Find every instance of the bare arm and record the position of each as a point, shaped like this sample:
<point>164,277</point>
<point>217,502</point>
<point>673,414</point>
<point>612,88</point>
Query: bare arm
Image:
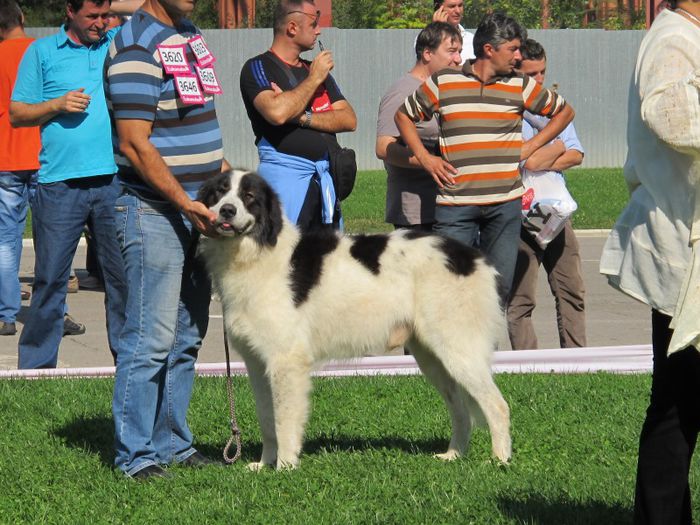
<point>27,115</point>
<point>340,118</point>
<point>387,148</point>
<point>440,170</point>
<point>145,158</point>
<point>571,158</point>
<point>543,158</point>
<point>280,107</point>
<point>125,7</point>
<point>553,128</point>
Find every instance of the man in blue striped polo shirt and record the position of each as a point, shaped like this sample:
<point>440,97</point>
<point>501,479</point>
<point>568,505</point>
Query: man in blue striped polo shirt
<point>59,87</point>
<point>160,81</point>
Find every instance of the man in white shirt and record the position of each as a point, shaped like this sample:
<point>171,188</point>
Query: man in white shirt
<point>560,258</point>
<point>451,11</point>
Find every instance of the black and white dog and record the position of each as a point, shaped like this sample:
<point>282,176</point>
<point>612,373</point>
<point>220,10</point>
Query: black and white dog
<point>292,300</point>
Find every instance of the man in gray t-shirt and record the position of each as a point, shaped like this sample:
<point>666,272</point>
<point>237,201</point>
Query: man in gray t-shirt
<point>410,195</point>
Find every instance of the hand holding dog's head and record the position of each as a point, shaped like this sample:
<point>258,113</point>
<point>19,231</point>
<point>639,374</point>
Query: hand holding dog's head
<point>245,205</point>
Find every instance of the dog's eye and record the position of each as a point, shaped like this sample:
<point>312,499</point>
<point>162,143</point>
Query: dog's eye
<point>248,197</point>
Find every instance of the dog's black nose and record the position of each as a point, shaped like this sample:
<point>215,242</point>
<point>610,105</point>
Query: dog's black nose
<point>227,211</point>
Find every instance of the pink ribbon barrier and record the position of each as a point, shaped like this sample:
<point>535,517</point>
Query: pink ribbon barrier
<point>617,359</point>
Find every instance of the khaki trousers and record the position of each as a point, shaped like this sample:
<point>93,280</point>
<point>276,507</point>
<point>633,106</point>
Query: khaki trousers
<point>562,263</point>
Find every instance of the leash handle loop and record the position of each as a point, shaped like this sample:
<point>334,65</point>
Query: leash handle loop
<point>235,431</point>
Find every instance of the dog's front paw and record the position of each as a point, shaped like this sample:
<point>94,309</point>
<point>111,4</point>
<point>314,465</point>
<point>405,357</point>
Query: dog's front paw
<point>256,466</point>
<point>502,460</point>
<point>503,453</point>
<point>287,465</point>
<point>450,455</point>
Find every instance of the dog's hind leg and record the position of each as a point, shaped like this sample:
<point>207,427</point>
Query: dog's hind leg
<point>290,380</point>
<point>265,411</point>
<point>452,393</point>
<point>474,375</point>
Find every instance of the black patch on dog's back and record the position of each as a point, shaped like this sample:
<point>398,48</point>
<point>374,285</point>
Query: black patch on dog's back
<point>367,249</point>
<point>307,262</point>
<point>461,259</point>
<point>418,234</point>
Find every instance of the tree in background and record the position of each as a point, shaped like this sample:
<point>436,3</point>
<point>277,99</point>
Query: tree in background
<point>397,14</point>
<point>43,13</point>
<point>52,13</point>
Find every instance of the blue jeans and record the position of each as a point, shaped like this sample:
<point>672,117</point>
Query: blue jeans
<point>16,191</point>
<point>166,319</point>
<point>59,212</point>
<point>493,228</point>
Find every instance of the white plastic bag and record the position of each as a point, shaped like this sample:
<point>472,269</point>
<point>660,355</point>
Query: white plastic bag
<point>547,205</point>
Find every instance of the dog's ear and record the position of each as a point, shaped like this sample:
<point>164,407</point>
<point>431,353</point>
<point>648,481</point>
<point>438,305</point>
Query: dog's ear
<point>213,189</point>
<point>273,223</point>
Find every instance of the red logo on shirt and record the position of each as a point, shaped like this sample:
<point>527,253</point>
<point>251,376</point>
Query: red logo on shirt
<point>321,101</point>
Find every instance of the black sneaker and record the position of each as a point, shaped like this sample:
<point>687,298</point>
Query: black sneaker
<point>7,328</point>
<point>151,471</point>
<point>199,460</point>
<point>92,283</point>
<point>71,326</point>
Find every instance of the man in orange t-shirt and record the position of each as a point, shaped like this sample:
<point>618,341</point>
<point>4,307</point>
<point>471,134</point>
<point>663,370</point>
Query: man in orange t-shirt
<point>19,162</point>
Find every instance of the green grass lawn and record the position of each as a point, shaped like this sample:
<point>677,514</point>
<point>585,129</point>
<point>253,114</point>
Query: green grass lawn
<point>601,194</point>
<point>367,457</point>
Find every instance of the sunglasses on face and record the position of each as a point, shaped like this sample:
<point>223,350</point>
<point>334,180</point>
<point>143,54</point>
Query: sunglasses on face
<point>316,17</point>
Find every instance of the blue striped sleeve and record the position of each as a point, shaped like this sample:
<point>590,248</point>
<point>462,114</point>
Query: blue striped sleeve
<point>134,83</point>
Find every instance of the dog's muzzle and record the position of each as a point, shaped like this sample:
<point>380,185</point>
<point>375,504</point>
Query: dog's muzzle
<point>225,222</point>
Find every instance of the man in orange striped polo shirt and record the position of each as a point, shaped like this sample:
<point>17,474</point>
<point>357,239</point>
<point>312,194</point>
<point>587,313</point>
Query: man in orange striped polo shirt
<point>480,110</point>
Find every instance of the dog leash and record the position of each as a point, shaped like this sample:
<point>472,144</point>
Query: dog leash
<point>235,431</point>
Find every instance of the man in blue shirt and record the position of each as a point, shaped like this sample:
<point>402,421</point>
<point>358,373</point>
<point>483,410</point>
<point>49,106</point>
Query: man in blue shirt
<point>59,87</point>
<point>561,257</point>
<point>168,143</point>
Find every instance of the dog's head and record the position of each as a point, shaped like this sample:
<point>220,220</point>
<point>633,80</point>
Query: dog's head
<point>245,205</point>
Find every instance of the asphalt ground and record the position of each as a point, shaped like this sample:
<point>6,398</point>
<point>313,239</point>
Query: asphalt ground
<point>612,318</point>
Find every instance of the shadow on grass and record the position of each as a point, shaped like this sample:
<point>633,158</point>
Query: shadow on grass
<point>335,443</point>
<point>534,508</point>
<point>95,435</point>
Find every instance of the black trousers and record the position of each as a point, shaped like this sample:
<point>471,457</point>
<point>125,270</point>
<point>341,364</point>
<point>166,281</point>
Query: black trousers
<point>669,433</point>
